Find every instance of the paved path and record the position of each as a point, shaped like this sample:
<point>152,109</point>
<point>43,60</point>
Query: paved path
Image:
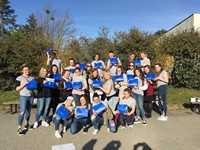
<point>180,132</point>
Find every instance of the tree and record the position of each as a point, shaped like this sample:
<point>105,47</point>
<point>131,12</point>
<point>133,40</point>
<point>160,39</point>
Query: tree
<point>7,17</point>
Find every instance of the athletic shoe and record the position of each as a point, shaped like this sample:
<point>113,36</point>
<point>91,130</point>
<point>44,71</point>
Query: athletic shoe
<point>64,129</point>
<point>144,122</point>
<point>45,124</point>
<point>85,130</point>
<point>57,134</point>
<point>162,118</point>
<point>123,127</point>
<point>111,123</point>
<point>20,132</point>
<point>130,126</point>
<point>137,120</point>
<point>26,127</point>
<point>35,125</point>
<point>95,131</point>
<point>108,129</point>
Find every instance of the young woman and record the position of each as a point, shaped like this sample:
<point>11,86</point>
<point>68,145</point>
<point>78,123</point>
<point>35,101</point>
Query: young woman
<point>93,76</point>
<point>68,104</point>
<point>138,94</point>
<point>78,91</point>
<point>77,121</point>
<point>110,94</point>
<point>131,68</point>
<point>65,91</point>
<point>127,118</point>
<point>103,117</point>
<point>26,98</point>
<point>43,99</point>
<point>162,83</point>
<point>149,93</point>
<point>98,64</point>
<point>131,58</point>
<point>145,61</point>
<point>71,66</point>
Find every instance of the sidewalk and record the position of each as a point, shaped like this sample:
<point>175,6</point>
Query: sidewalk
<point>180,132</point>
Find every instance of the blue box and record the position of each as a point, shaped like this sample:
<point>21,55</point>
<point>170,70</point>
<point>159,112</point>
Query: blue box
<point>119,78</point>
<point>133,82</point>
<point>137,62</point>
<point>150,76</point>
<point>32,85</point>
<point>71,70</point>
<point>62,112</point>
<point>122,108</point>
<point>57,77</point>
<point>99,108</point>
<point>68,85</point>
<point>49,51</point>
<point>97,65</point>
<point>77,85</point>
<point>81,112</point>
<point>130,76</point>
<point>97,83</point>
<point>82,66</point>
<point>114,60</point>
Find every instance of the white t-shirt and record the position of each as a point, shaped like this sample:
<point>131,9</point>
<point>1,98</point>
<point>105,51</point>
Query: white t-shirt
<point>78,79</point>
<point>113,68</point>
<point>105,85</point>
<point>161,75</point>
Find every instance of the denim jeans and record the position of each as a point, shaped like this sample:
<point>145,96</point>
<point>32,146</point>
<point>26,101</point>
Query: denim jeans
<point>57,120</point>
<point>162,94</point>
<point>42,104</point>
<point>25,108</point>
<point>76,98</point>
<point>112,103</point>
<point>74,128</point>
<point>139,105</point>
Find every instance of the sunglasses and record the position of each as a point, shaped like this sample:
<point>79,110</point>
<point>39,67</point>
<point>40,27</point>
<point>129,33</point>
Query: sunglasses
<point>89,66</point>
<point>131,65</point>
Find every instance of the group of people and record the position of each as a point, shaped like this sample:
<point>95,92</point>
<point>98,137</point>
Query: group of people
<point>92,93</point>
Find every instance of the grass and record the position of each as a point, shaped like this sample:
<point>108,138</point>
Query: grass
<point>177,98</point>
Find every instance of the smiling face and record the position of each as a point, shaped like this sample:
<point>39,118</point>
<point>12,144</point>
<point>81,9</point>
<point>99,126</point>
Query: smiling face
<point>119,71</point>
<point>71,63</point>
<point>95,73</point>
<point>137,73</point>
<point>77,72</point>
<point>25,71</point>
<point>67,74</point>
<point>146,70</point>
<point>106,76</point>
<point>68,102</point>
<point>96,99</point>
<point>96,57</point>
<point>111,55</point>
<point>131,66</point>
<point>126,94</point>
<point>55,69</point>
<point>83,101</point>
<point>157,68</point>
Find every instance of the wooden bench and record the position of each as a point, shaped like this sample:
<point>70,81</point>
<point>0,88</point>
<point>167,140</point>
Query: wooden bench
<point>12,103</point>
<point>195,105</point>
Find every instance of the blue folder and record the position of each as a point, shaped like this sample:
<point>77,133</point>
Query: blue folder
<point>81,112</point>
<point>71,70</point>
<point>97,83</point>
<point>97,65</point>
<point>50,84</point>
<point>57,77</point>
<point>68,85</point>
<point>137,62</point>
<point>119,78</point>
<point>82,66</point>
<point>150,76</point>
<point>49,51</point>
<point>130,76</point>
<point>77,85</point>
<point>122,108</point>
<point>99,108</point>
<point>32,85</point>
<point>133,82</point>
<point>114,60</point>
<point>62,112</point>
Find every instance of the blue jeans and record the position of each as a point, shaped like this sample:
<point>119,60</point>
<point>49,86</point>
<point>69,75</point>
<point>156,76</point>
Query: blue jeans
<point>139,105</point>
<point>25,108</point>
<point>57,120</point>
<point>74,128</point>
<point>100,120</point>
<point>42,103</point>
<point>76,98</point>
<point>162,94</point>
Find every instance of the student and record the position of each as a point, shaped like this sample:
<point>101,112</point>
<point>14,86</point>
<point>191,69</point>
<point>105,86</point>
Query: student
<point>104,117</point>
<point>149,93</point>
<point>76,92</point>
<point>145,61</point>
<point>71,66</point>
<point>110,66</point>
<point>131,58</point>
<point>55,60</point>
<point>43,99</point>
<point>98,64</point>
<point>77,121</point>
<point>110,95</point>
<point>26,98</point>
<point>162,83</point>
<point>68,104</point>
<point>65,91</point>
<point>127,118</point>
<point>138,94</point>
<point>131,68</point>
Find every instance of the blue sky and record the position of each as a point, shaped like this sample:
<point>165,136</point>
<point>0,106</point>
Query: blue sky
<point>117,15</point>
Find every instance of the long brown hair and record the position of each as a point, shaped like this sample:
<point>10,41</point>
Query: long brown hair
<point>79,103</point>
<point>142,77</point>
<point>105,80</point>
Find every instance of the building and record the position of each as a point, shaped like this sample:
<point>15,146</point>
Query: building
<point>191,22</point>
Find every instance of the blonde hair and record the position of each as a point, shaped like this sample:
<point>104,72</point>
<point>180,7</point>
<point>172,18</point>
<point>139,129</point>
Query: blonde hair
<point>41,73</point>
<point>105,80</point>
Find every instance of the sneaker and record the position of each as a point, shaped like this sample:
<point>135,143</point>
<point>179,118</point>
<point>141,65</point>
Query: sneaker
<point>137,120</point>
<point>26,127</point>
<point>20,132</point>
<point>35,125</point>
<point>111,123</point>
<point>64,129</point>
<point>130,126</point>
<point>144,123</point>
<point>95,131</point>
<point>57,134</point>
<point>108,129</point>
<point>45,124</point>
<point>85,130</point>
<point>162,118</point>
<point>123,127</point>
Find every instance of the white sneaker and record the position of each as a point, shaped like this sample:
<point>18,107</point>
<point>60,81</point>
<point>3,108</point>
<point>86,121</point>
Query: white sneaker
<point>45,124</point>
<point>123,127</point>
<point>57,134</point>
<point>64,129</point>
<point>108,129</point>
<point>162,118</point>
<point>130,126</point>
<point>35,125</point>
<point>95,131</point>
